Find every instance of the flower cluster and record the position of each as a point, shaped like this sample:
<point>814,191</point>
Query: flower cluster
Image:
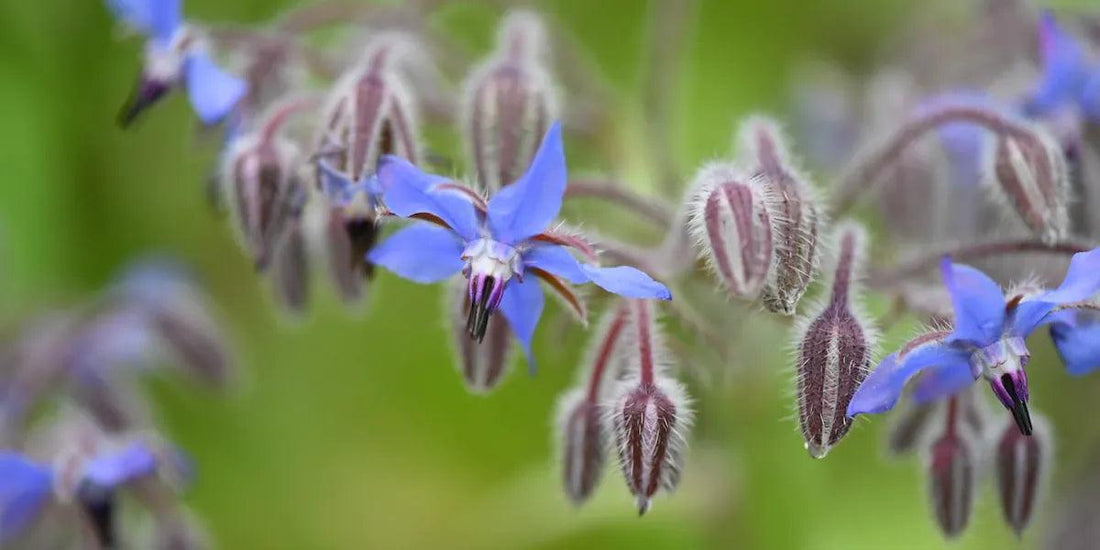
<point>336,167</point>
<point>77,432</point>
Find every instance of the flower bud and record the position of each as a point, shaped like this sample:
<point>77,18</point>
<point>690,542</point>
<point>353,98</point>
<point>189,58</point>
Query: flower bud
<point>1021,464</point>
<point>509,102</point>
<point>732,228</point>
<point>484,364</point>
<point>580,414</point>
<point>1031,174</point>
<point>290,273</point>
<point>649,415</point>
<point>952,483</point>
<point>909,428</point>
<point>258,175</point>
<point>794,209</point>
<point>834,349</point>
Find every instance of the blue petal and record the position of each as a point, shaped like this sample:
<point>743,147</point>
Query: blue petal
<point>1081,283</point>
<point>421,252</point>
<point>627,282</point>
<point>112,470</point>
<point>963,141</point>
<point>1063,67</point>
<point>157,18</point>
<point>212,91</point>
<point>526,207</point>
<point>942,380</point>
<point>24,489</point>
<point>556,260</point>
<point>880,391</point>
<point>522,306</point>
<point>978,303</point>
<point>1076,335</point>
<point>408,191</point>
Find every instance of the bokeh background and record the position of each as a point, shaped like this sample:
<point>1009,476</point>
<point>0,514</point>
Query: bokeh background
<point>355,431</point>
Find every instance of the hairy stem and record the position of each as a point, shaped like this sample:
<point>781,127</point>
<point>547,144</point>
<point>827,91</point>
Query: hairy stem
<point>617,194</point>
<point>603,355</point>
<point>971,251</point>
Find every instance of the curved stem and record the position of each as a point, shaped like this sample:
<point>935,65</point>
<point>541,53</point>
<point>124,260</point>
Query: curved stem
<point>970,252</point>
<point>650,209</point>
<point>868,167</point>
<point>603,356</point>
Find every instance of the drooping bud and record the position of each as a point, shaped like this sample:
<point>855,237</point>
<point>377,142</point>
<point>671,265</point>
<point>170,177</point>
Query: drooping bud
<point>370,113</point>
<point>259,175</point>
<point>909,427</point>
<point>582,435</point>
<point>1021,465</point>
<point>794,209</point>
<point>732,228</point>
<point>649,415</point>
<point>195,339</point>
<point>952,465</point>
<point>509,102</point>
<point>482,365</point>
<point>1030,173</point>
<point>290,273</point>
<point>834,349</point>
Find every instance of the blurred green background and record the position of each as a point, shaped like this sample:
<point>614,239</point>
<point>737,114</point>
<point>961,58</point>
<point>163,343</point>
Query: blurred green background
<point>355,431</point>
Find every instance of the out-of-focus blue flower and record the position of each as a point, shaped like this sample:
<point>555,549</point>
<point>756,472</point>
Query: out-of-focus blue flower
<point>175,55</point>
<point>1076,335</point>
<point>26,486</point>
<point>987,340</point>
<point>496,244</point>
<point>1067,79</point>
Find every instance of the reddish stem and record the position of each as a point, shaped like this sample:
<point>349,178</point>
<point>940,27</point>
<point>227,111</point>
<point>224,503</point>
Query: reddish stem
<point>645,341</point>
<point>952,415</point>
<point>282,113</point>
<point>603,356</point>
<point>618,194</point>
<point>970,252</point>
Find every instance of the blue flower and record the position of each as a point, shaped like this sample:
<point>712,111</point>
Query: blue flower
<point>495,244</point>
<point>174,55</point>
<point>26,486</point>
<point>988,340</point>
<point>1068,79</point>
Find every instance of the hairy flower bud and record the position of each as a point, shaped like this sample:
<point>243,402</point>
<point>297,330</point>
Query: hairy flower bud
<point>290,272</point>
<point>793,208</point>
<point>952,463</point>
<point>1021,463</point>
<point>732,228</point>
<point>834,349</point>
<point>370,113</point>
<point>483,364</point>
<point>508,102</point>
<point>1030,173</point>
<point>649,415</point>
<point>582,435</point>
<point>909,427</point>
<point>259,174</point>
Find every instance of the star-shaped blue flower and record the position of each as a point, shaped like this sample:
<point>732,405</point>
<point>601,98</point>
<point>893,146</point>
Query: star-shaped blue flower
<point>1068,79</point>
<point>498,245</point>
<point>175,55</point>
<point>26,486</point>
<point>988,340</point>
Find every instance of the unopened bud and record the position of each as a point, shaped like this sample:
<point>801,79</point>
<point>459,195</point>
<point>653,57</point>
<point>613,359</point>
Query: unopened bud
<point>952,463</point>
<point>732,228</point>
<point>834,349</point>
<point>909,428</point>
<point>649,416</point>
<point>258,174</point>
<point>794,209</point>
<point>1021,464</point>
<point>509,102</point>
<point>484,364</point>
<point>347,242</point>
<point>195,339</point>
<point>290,273</point>
<point>1030,172</point>
<point>582,434</point>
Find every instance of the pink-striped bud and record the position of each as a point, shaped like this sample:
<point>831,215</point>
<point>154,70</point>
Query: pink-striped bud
<point>290,262</point>
<point>258,175</point>
<point>582,435</point>
<point>1030,171</point>
<point>909,428</point>
<point>794,209</point>
<point>484,364</point>
<point>1021,465</point>
<point>732,228</point>
<point>834,348</point>
<point>649,416</point>
<point>509,102</point>
<point>952,463</point>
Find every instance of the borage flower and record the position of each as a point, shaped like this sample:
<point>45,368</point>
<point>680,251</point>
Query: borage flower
<point>497,243</point>
<point>175,55</point>
<point>987,340</point>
